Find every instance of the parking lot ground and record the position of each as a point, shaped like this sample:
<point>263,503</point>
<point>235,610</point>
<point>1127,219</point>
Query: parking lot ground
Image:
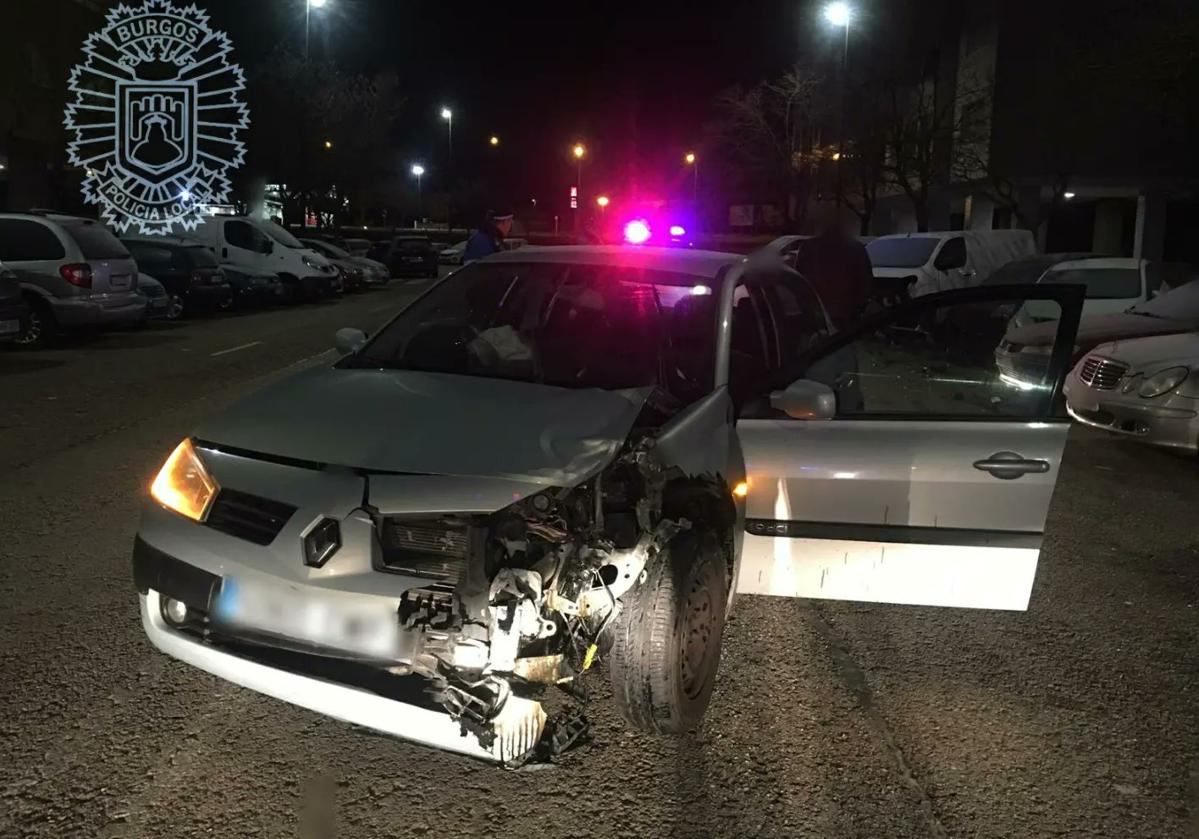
<point>1077,718</point>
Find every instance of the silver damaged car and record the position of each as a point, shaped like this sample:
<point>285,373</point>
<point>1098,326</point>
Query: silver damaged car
<point>561,463</point>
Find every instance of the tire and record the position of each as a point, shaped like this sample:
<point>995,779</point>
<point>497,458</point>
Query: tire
<point>667,636</point>
<point>176,307</point>
<point>39,327</point>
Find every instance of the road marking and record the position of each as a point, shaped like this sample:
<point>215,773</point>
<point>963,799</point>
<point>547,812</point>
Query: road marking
<point>234,349</point>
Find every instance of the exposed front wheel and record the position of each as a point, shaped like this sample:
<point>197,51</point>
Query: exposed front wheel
<point>666,647</point>
<point>175,307</point>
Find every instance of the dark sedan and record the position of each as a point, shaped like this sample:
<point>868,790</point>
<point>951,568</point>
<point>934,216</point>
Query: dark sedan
<point>187,270</point>
<point>412,256</point>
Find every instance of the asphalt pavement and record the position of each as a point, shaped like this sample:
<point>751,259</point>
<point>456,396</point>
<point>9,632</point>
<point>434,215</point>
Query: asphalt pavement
<point>1077,718</point>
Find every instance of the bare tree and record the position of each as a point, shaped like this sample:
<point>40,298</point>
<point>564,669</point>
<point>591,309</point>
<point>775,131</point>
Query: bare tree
<point>768,131</point>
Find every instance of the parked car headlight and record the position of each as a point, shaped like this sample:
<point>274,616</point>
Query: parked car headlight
<point>1163,382</point>
<point>317,266</point>
<point>183,483</point>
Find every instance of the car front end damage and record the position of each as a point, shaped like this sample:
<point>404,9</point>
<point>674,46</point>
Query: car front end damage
<point>450,611</point>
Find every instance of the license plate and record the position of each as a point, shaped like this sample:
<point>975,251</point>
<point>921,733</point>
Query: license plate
<point>10,327</point>
<point>321,618</point>
<point>120,281</point>
<point>413,259</point>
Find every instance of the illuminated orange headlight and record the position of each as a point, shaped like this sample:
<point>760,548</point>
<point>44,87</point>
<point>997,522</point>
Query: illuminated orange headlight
<point>183,484</point>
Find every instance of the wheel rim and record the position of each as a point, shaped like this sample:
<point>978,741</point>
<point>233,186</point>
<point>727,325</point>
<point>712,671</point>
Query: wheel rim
<point>699,628</point>
<point>175,307</point>
<point>33,330</point>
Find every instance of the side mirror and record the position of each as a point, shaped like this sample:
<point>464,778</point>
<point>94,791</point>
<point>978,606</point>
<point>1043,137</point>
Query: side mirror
<point>805,399</point>
<point>349,340</point>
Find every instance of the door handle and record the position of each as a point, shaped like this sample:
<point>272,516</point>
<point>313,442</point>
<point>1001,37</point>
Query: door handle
<point>1008,466</point>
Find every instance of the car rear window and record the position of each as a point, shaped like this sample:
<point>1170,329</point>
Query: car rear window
<point>413,244</point>
<point>96,242</point>
<point>1101,283</point>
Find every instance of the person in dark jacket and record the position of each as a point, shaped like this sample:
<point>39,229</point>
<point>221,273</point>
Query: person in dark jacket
<point>489,238</point>
<point>838,267</point>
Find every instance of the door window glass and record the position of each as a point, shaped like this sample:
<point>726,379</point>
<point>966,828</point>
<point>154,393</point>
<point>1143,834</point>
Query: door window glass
<point>952,255</point>
<point>240,234</point>
<point>28,241</point>
<point>949,361</point>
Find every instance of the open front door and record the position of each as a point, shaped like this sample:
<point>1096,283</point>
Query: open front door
<point>920,473</point>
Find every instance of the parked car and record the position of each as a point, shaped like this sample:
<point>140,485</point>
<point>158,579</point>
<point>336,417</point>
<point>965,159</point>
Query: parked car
<point>187,270</point>
<point>1029,269</point>
<point>267,247</point>
<point>580,488</point>
<point>1143,388</point>
<point>361,271</point>
<point>409,256</point>
<point>453,254</point>
<point>13,310</point>
<point>357,247</point>
<point>73,274</point>
<point>914,264</point>
<point>1114,284</point>
<point>1023,354</point>
<point>158,299</point>
<point>253,286</point>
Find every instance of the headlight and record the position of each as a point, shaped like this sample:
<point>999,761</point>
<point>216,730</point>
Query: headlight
<point>183,484</point>
<point>317,266</point>
<point>1163,382</point>
<point>1131,382</point>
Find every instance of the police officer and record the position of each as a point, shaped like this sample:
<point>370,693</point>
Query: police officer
<point>489,238</point>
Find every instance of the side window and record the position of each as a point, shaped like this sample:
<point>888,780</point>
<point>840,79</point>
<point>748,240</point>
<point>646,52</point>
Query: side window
<point>240,234</point>
<point>22,240</point>
<point>798,316</point>
<point>952,255</point>
<point>945,362</point>
<point>750,358</point>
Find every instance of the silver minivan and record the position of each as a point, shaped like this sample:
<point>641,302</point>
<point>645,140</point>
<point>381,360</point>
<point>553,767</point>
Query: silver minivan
<point>73,272</point>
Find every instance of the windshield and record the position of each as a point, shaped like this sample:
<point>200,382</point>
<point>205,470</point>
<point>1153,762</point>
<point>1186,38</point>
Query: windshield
<point>1181,303</point>
<point>1101,283</point>
<point>96,242</point>
<point>578,326</point>
<point>413,244</point>
<point>280,235</point>
<point>901,253</point>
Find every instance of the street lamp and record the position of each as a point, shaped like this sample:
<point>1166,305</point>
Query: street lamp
<point>691,160</point>
<point>328,145</point>
<point>448,116</point>
<point>495,141</point>
<point>418,171</point>
<point>309,5</point>
<point>602,201</point>
<point>579,151</point>
<point>840,14</point>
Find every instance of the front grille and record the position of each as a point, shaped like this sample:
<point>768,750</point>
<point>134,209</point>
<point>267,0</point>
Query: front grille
<point>433,549</point>
<point>1102,373</point>
<point>248,517</point>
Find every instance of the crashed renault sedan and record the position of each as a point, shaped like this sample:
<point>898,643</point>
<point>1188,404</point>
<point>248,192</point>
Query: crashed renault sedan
<point>563,455</point>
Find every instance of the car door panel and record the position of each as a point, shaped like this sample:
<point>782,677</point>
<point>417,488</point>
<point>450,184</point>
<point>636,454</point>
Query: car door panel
<point>933,489</point>
<point>894,511</point>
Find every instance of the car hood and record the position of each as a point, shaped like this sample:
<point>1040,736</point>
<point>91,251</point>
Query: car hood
<point>1099,329</point>
<point>410,422</point>
<point>1158,351</point>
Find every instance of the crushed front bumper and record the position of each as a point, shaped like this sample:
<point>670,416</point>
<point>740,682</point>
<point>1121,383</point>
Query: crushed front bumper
<point>518,727</point>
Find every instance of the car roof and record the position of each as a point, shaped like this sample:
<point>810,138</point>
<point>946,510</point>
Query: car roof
<point>169,241</point>
<point>1094,262</point>
<point>681,260</point>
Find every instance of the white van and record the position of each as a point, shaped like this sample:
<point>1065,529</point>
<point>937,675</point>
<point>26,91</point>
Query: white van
<point>923,263</point>
<point>265,246</point>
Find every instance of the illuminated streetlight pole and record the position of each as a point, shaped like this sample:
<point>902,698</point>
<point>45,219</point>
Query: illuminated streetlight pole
<point>579,151</point>
<point>840,14</point>
<point>448,116</point>
<point>691,160</point>
<point>418,170</point>
<point>309,5</point>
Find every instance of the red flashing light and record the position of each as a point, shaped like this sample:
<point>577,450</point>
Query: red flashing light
<point>77,274</point>
<point>636,232</point>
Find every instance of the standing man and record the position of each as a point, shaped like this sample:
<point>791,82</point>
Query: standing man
<point>489,238</point>
<point>838,267</point>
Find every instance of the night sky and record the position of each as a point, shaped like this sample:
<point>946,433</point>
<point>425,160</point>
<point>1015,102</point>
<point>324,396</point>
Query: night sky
<point>635,82</point>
